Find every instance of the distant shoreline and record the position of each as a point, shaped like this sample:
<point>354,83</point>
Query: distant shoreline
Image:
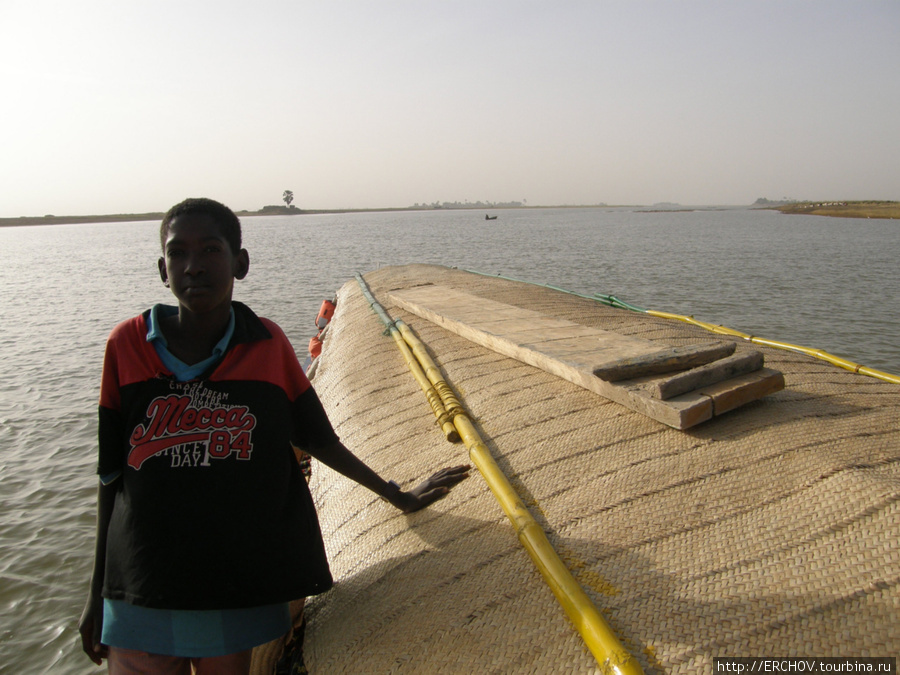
<point>137,217</point>
<point>267,211</point>
<point>871,209</point>
<point>884,210</point>
<point>74,220</point>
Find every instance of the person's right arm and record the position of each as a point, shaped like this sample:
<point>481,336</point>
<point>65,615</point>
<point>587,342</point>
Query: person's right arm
<point>91,623</point>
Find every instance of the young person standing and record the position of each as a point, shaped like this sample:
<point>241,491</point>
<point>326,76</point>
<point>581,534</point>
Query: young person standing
<point>206,528</point>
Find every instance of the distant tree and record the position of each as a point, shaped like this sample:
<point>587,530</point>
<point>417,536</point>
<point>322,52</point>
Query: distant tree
<point>288,197</point>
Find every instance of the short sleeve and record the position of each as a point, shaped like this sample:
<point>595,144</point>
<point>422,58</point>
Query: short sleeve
<point>311,427</point>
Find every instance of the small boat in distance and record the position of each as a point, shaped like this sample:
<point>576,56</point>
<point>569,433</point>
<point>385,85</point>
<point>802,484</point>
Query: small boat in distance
<point>487,217</point>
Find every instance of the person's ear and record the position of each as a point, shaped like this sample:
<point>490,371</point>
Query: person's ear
<point>163,272</point>
<point>241,264</point>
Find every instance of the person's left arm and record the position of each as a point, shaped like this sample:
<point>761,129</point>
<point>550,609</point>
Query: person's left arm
<point>436,486</point>
<point>314,434</point>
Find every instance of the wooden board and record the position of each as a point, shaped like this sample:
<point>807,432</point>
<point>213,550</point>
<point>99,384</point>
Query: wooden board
<point>710,373</point>
<point>665,361</point>
<point>574,352</point>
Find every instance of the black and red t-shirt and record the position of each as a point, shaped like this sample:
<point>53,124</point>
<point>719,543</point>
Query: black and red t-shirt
<point>211,511</point>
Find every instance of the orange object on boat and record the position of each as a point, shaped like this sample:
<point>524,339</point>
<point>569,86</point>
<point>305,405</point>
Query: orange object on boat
<point>326,311</point>
<point>315,346</point>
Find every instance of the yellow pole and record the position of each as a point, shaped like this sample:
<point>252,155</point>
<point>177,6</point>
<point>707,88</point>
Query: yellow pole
<point>432,372</point>
<point>613,658</point>
<point>433,397</point>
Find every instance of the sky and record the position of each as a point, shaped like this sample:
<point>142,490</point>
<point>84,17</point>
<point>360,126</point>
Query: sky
<point>126,106</point>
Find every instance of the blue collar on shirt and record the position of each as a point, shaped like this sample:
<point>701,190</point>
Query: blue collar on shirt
<point>182,371</point>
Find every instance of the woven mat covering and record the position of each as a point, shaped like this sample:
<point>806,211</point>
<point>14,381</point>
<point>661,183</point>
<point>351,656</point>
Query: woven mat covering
<point>770,531</point>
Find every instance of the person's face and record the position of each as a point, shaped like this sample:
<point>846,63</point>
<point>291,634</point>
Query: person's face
<point>199,265</point>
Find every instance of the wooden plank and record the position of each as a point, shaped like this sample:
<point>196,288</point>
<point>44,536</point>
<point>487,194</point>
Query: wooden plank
<point>710,373</point>
<point>534,334</point>
<point>443,308</point>
<point>508,325</point>
<point>514,323</point>
<point>665,361</point>
<point>587,350</point>
<point>734,393</point>
<point>573,357</point>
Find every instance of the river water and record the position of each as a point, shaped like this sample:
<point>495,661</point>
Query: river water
<point>829,283</point>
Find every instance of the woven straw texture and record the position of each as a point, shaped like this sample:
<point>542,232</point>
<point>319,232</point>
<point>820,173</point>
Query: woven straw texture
<point>772,530</point>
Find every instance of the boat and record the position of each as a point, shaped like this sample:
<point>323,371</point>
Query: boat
<point>769,529</point>
<point>487,217</point>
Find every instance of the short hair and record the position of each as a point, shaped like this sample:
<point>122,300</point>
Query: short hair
<point>224,217</point>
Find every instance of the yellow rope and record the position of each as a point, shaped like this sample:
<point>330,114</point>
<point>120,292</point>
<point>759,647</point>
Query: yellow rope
<point>815,353</point>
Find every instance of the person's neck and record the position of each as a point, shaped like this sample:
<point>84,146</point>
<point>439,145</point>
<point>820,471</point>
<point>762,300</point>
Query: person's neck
<point>191,337</point>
